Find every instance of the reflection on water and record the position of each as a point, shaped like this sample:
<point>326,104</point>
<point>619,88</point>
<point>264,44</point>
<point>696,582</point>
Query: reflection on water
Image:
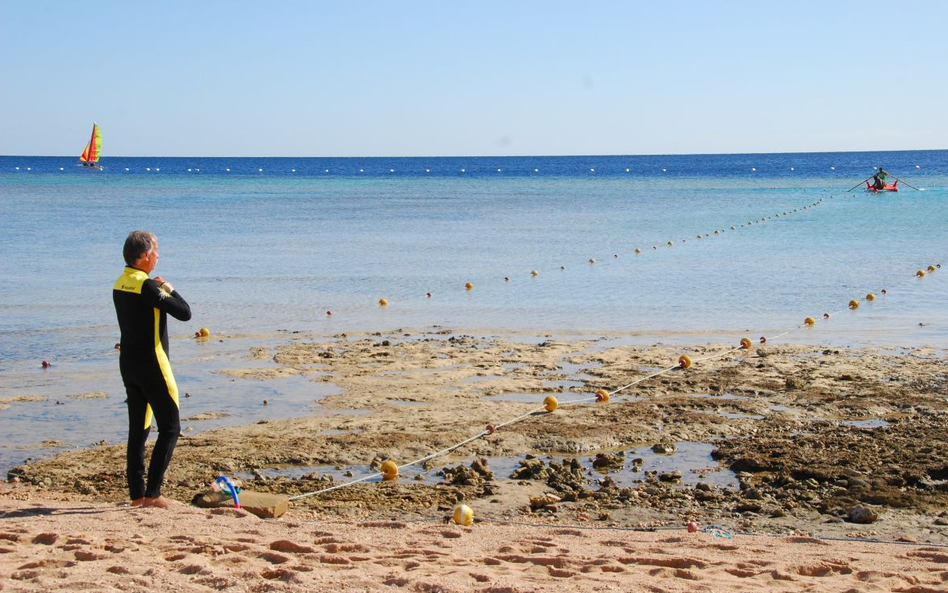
<point>877,423</point>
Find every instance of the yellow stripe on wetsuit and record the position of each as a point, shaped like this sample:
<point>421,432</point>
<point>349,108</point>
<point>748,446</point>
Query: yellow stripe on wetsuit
<point>165,365</point>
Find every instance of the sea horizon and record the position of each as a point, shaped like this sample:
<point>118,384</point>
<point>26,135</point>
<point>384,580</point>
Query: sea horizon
<point>501,156</point>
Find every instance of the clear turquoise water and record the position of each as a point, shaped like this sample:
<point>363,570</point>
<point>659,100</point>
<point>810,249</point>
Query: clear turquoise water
<point>264,253</point>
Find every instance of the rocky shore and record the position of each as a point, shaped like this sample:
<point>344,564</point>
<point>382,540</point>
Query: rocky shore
<point>821,441</point>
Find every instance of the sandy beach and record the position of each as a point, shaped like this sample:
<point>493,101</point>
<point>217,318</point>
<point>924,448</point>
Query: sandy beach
<point>59,546</point>
<point>833,452</point>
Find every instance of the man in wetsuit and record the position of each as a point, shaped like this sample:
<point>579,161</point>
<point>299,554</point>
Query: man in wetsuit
<point>142,305</point>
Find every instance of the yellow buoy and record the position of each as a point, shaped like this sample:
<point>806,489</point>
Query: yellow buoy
<point>745,343</point>
<point>468,286</point>
<point>592,261</point>
<point>534,273</point>
<point>670,243</point>
<point>809,321</point>
<point>637,250</point>
<point>383,302</point>
<point>870,297</point>
<point>602,396</point>
<point>699,236</point>
<point>920,273</point>
<point>463,515</point>
<point>550,403</point>
<point>389,470</point>
<point>931,268</point>
<point>202,333</point>
<point>684,361</point>
<point>854,304</point>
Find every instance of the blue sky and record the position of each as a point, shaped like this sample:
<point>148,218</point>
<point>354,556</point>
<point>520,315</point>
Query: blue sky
<point>389,78</point>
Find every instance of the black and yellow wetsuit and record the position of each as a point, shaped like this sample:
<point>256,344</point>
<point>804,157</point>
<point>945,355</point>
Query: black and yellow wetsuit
<point>142,309</point>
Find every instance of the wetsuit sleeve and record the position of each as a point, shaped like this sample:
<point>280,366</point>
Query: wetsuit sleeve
<point>173,304</point>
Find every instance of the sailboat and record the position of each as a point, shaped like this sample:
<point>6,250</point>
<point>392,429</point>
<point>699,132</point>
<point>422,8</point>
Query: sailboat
<point>90,156</point>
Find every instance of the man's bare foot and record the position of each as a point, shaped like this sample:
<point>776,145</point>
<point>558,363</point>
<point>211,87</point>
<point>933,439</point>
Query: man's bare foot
<point>159,502</point>
<point>138,502</point>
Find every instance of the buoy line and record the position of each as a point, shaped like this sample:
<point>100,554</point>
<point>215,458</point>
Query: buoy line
<point>638,251</point>
<point>550,404</point>
<point>390,470</point>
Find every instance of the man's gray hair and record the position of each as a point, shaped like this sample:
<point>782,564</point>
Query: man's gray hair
<point>137,244</point>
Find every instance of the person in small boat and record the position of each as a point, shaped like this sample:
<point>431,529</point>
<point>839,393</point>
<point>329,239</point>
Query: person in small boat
<point>878,180</point>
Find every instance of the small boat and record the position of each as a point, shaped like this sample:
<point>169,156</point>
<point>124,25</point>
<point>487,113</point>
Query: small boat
<point>90,156</point>
<point>885,187</point>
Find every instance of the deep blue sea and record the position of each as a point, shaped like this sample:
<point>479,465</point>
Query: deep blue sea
<point>263,247</point>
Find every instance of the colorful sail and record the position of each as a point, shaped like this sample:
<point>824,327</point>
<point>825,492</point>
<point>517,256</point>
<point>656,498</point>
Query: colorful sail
<point>91,152</point>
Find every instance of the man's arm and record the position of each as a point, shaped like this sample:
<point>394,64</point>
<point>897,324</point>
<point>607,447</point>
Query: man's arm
<point>171,302</point>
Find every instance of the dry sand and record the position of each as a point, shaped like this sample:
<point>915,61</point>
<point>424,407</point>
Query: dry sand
<point>95,546</point>
<point>825,443</point>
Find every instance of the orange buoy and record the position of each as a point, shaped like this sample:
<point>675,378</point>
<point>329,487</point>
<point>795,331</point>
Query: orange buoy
<point>684,361</point>
<point>550,403</point>
<point>602,396</point>
<point>463,515</point>
<point>383,302</point>
<point>854,304</point>
<point>389,470</point>
<point>468,286</point>
<point>920,273</point>
<point>809,321</point>
<point>931,268</point>
<point>745,343</point>
<point>870,297</point>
